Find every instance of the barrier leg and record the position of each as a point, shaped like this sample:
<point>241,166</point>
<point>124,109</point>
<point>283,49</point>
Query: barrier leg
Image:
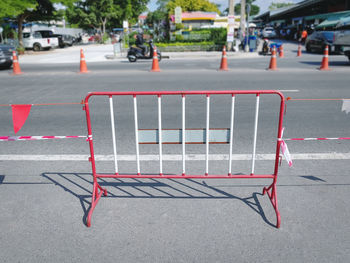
<point>272,193</point>
<point>96,195</point>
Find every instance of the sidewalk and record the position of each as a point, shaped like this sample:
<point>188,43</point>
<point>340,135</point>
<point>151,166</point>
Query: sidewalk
<point>102,53</point>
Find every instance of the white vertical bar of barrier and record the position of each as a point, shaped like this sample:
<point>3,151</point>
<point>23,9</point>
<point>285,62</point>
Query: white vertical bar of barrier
<point>207,138</point>
<point>231,133</point>
<point>160,134</point>
<point>113,134</point>
<point>136,136</point>
<point>183,135</point>
<point>255,131</point>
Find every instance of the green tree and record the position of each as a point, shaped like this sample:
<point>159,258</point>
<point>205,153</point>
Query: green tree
<point>192,5</point>
<point>274,6</point>
<point>254,9</point>
<point>156,17</point>
<point>162,5</point>
<point>104,14</point>
<point>91,13</point>
<point>12,8</point>
<point>29,10</point>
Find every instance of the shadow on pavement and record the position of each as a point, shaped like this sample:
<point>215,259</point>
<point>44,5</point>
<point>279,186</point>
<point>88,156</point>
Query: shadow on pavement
<point>77,185</point>
<point>2,178</point>
<point>330,63</point>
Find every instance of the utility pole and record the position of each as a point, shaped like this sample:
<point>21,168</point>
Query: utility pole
<point>230,28</point>
<point>242,24</point>
<point>247,33</point>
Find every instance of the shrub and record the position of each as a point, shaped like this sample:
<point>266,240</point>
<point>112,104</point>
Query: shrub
<point>20,50</point>
<point>218,35</point>
<point>132,38</point>
<point>179,38</point>
<point>185,44</point>
<point>179,26</point>
<point>105,38</point>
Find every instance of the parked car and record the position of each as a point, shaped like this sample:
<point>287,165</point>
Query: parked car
<point>64,40</point>
<point>342,36</point>
<point>6,56</point>
<point>68,40</point>
<point>269,32</point>
<point>37,41</point>
<point>317,41</point>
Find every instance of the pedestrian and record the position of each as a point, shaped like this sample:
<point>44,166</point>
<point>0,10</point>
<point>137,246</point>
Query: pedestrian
<point>303,36</point>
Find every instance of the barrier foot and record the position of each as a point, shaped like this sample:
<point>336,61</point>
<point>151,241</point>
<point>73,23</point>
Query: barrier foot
<point>96,195</point>
<point>271,192</point>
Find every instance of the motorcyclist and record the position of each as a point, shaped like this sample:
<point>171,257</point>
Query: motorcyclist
<point>265,47</point>
<point>140,42</point>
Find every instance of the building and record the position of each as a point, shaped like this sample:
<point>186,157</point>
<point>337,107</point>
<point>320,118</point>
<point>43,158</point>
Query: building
<point>319,14</point>
<point>197,19</point>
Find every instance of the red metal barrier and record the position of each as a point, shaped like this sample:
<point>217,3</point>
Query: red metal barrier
<point>98,190</point>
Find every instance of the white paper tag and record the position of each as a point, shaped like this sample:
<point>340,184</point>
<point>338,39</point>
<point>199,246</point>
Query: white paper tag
<point>286,154</point>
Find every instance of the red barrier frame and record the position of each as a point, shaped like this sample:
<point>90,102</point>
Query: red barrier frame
<point>270,190</point>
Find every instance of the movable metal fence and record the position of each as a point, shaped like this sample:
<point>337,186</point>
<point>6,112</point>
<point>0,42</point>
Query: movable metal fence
<point>184,136</point>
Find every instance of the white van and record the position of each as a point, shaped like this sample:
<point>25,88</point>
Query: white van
<point>37,42</point>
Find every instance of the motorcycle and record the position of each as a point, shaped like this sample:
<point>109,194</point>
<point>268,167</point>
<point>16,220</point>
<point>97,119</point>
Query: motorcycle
<point>135,53</point>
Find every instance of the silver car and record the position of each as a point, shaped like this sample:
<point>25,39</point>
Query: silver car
<point>269,32</point>
<point>342,36</point>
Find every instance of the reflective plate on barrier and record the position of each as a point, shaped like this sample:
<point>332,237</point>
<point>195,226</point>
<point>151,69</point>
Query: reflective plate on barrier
<point>174,136</point>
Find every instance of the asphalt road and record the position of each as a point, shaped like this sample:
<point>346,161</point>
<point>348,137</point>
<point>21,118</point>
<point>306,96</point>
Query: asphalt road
<point>44,202</point>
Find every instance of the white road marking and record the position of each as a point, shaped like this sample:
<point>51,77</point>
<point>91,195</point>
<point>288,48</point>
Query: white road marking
<point>173,157</point>
<point>289,90</point>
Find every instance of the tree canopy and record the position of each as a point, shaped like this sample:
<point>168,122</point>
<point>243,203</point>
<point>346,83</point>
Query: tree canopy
<point>104,13</point>
<point>92,14</point>
<point>274,5</point>
<point>29,10</point>
<point>12,8</point>
<point>254,9</point>
<point>192,5</point>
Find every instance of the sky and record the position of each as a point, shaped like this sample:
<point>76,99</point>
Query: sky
<point>263,4</point>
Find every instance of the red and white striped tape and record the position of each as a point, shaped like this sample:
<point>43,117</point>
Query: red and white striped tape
<point>314,139</point>
<point>33,138</point>
<point>285,150</point>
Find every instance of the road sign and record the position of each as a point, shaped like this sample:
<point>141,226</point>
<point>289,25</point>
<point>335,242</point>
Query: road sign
<point>125,24</point>
<point>231,20</point>
<point>248,9</point>
<point>230,29</point>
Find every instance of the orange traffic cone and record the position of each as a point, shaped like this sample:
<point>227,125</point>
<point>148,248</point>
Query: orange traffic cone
<point>155,65</point>
<point>273,61</point>
<point>324,64</point>
<point>281,54</point>
<point>223,65</point>
<point>299,51</point>
<point>83,67</point>
<point>16,67</point>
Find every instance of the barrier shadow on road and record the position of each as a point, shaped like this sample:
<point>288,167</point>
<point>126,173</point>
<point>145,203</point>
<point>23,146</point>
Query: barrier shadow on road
<point>80,186</point>
<point>2,179</point>
<point>330,63</point>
